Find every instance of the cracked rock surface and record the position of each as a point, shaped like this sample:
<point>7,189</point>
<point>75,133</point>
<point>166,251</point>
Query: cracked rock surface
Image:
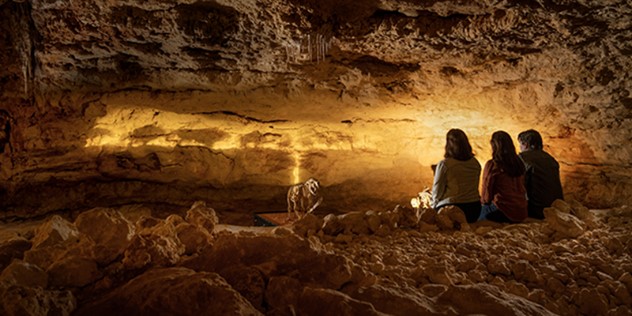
<point>376,263</point>
<point>230,102</point>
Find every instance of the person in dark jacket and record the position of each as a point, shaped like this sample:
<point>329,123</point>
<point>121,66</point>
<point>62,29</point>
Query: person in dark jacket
<point>542,179</point>
<point>503,193</point>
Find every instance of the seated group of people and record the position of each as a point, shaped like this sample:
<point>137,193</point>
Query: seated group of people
<point>515,186</point>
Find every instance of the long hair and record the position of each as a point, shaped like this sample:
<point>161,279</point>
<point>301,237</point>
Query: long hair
<point>504,154</point>
<point>457,145</point>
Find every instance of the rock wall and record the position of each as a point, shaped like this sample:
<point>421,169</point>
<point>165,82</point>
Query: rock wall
<point>232,101</point>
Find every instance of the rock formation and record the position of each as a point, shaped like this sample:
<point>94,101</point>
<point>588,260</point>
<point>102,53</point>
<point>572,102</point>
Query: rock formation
<point>105,103</point>
<point>398,267</point>
<point>123,122</point>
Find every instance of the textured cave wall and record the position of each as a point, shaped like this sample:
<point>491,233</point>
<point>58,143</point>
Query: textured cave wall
<point>141,101</point>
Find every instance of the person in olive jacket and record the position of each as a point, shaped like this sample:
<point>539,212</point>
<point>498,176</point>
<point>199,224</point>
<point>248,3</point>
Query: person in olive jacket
<point>542,179</point>
<point>457,176</point>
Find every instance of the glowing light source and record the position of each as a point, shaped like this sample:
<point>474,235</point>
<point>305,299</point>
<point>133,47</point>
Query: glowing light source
<point>296,172</point>
<point>423,200</point>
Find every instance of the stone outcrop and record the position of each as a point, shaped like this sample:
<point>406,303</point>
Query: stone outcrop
<point>172,291</point>
<point>515,269</point>
<point>110,231</point>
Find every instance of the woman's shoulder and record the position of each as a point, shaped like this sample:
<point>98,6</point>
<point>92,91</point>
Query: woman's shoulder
<point>491,165</point>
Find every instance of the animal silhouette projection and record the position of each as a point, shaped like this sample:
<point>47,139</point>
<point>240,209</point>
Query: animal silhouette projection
<point>303,198</point>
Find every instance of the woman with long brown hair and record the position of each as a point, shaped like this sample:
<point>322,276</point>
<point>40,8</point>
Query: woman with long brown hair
<point>503,194</point>
<point>457,176</point>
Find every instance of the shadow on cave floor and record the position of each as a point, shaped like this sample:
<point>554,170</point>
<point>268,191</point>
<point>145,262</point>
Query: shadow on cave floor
<point>239,213</point>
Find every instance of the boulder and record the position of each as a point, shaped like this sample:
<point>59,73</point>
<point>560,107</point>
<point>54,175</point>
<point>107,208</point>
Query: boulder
<point>308,225</point>
<point>276,255</point>
<point>332,225</point>
<point>194,238</point>
<point>110,231</point>
<point>21,300</point>
<point>172,291</point>
<point>13,248</point>
<point>55,231</point>
<point>487,299</point>
<point>248,281</point>
<point>452,217</point>
<point>73,271</point>
<point>202,216</point>
<point>24,274</point>
<point>408,217</point>
<point>157,245</point>
<point>564,224</point>
<point>393,302</point>
<point>317,301</point>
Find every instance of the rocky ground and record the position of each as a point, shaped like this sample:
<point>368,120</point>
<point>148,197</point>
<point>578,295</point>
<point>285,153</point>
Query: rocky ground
<point>136,261</point>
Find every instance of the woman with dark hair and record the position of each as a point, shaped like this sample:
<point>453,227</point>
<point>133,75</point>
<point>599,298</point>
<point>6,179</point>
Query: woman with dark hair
<point>503,194</point>
<point>457,176</point>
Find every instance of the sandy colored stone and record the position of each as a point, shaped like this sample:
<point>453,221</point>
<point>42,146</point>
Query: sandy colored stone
<point>248,281</point>
<point>565,224</point>
<point>276,255</point>
<point>194,238</point>
<point>314,301</point>
<point>438,274</point>
<point>72,272</point>
<point>408,217</point>
<point>354,223</point>
<point>54,231</point>
<point>156,245</point>
<point>486,299</point>
<point>562,206</point>
<point>110,231</point>
<point>308,225</point>
<point>13,248</point>
<point>332,225</point>
<point>591,302</point>
<point>451,217</point>
<point>24,274</point>
<point>373,220</point>
<point>21,300</point>
<point>202,216</point>
<point>283,291</point>
<point>173,291</point>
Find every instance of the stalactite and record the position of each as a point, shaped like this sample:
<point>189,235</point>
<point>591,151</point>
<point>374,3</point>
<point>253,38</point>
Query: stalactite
<point>307,49</point>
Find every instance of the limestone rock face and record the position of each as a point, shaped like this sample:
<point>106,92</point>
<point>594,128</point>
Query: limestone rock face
<point>233,101</point>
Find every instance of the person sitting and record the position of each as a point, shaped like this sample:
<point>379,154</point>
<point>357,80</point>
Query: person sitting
<point>542,179</point>
<point>503,193</point>
<point>457,176</point>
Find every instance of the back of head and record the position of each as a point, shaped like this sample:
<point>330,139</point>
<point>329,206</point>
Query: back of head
<point>504,154</point>
<point>457,145</point>
<point>531,138</point>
